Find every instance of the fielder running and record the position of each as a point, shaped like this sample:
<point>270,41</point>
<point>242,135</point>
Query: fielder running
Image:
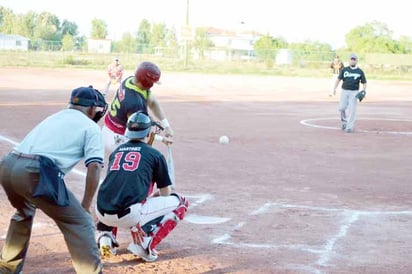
<point>351,76</point>
<point>122,199</point>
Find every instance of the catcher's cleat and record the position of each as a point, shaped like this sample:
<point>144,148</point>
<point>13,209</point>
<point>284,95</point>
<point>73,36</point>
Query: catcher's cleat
<point>107,244</point>
<point>145,253</point>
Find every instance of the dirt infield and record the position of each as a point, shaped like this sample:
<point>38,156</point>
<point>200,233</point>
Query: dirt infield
<point>290,193</point>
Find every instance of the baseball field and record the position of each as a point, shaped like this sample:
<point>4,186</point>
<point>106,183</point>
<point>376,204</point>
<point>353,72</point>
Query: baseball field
<point>290,192</point>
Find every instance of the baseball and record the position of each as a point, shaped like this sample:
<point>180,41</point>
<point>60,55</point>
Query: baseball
<point>224,139</point>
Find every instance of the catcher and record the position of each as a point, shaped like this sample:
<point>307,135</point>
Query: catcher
<point>124,199</point>
<point>115,72</point>
<point>351,76</point>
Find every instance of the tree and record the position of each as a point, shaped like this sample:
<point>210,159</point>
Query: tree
<point>7,20</point>
<point>158,37</point>
<point>266,48</point>
<point>47,31</point>
<point>127,44</point>
<point>68,42</point>
<point>311,50</point>
<point>99,29</point>
<point>372,37</point>
<point>172,42</point>
<point>405,44</point>
<point>143,36</point>
<point>201,41</point>
<point>26,24</point>
<point>69,28</point>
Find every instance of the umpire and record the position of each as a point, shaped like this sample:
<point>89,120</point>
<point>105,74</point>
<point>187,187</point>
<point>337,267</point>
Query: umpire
<point>32,177</point>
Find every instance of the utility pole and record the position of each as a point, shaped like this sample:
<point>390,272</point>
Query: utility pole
<point>187,39</point>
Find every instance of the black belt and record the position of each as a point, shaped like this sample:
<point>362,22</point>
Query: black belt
<point>23,155</point>
<point>119,213</point>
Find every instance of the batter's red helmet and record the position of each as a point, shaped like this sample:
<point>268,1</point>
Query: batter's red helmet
<point>147,74</point>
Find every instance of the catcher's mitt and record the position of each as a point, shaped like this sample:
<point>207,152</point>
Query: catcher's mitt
<point>361,95</point>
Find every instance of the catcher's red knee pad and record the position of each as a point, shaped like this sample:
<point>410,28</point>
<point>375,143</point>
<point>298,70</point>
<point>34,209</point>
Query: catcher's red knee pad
<point>163,229</point>
<point>169,221</point>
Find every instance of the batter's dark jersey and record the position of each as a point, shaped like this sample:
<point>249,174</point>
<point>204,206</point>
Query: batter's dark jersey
<point>128,100</point>
<point>351,78</point>
<point>132,167</point>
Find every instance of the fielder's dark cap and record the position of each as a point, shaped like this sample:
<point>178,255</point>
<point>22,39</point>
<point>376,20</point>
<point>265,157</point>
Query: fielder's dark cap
<point>353,56</point>
<point>87,97</point>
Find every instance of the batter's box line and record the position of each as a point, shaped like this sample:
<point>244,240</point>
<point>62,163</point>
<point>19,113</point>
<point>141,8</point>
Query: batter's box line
<point>350,216</point>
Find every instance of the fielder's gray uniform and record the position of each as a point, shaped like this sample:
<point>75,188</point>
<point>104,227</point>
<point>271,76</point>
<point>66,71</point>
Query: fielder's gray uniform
<point>351,77</point>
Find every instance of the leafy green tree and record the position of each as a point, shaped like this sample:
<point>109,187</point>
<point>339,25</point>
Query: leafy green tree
<point>311,50</point>
<point>266,47</point>
<point>372,37</point>
<point>99,29</point>
<point>201,41</point>
<point>158,37</point>
<point>172,42</point>
<point>143,36</point>
<point>7,20</point>
<point>405,44</point>
<point>68,42</point>
<point>127,44</point>
<point>47,27</point>
<point>26,24</point>
<point>68,27</point>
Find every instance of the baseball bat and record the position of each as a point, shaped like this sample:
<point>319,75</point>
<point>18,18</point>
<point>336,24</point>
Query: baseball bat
<point>170,166</point>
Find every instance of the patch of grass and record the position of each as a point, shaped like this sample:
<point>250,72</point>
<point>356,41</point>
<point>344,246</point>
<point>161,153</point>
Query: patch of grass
<point>96,61</point>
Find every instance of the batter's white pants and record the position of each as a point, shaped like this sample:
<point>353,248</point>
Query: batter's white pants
<point>347,108</point>
<point>112,140</point>
<point>141,214</point>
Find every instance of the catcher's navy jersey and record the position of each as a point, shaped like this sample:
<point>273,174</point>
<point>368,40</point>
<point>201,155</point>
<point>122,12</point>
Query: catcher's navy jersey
<point>132,167</point>
<point>351,78</point>
<point>128,100</point>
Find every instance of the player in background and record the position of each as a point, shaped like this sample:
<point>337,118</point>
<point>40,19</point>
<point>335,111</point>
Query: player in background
<point>351,76</point>
<point>134,94</point>
<point>336,66</point>
<point>115,72</point>
<point>122,199</point>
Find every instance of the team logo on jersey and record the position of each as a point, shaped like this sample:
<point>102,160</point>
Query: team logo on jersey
<point>348,74</point>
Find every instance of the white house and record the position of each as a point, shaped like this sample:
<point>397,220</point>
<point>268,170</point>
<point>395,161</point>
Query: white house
<point>230,45</point>
<point>99,45</point>
<point>13,42</point>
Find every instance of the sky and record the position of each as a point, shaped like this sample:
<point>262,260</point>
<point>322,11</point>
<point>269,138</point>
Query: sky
<point>295,20</point>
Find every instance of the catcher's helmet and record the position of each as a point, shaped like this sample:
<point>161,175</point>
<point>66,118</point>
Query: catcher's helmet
<point>138,125</point>
<point>147,74</point>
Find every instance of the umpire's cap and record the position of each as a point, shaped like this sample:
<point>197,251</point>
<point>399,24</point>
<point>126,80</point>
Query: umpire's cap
<point>87,97</point>
<point>138,125</point>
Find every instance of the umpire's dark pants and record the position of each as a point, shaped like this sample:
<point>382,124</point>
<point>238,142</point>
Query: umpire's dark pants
<point>18,176</point>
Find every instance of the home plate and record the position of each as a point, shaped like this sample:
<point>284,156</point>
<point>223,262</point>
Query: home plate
<point>202,220</point>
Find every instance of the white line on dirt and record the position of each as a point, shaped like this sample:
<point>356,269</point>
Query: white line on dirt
<point>309,123</point>
<point>350,216</point>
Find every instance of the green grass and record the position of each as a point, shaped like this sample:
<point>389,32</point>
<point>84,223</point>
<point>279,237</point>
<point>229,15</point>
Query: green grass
<point>80,60</point>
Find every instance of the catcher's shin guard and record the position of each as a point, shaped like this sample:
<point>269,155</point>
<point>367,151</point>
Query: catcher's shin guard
<point>169,222</point>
